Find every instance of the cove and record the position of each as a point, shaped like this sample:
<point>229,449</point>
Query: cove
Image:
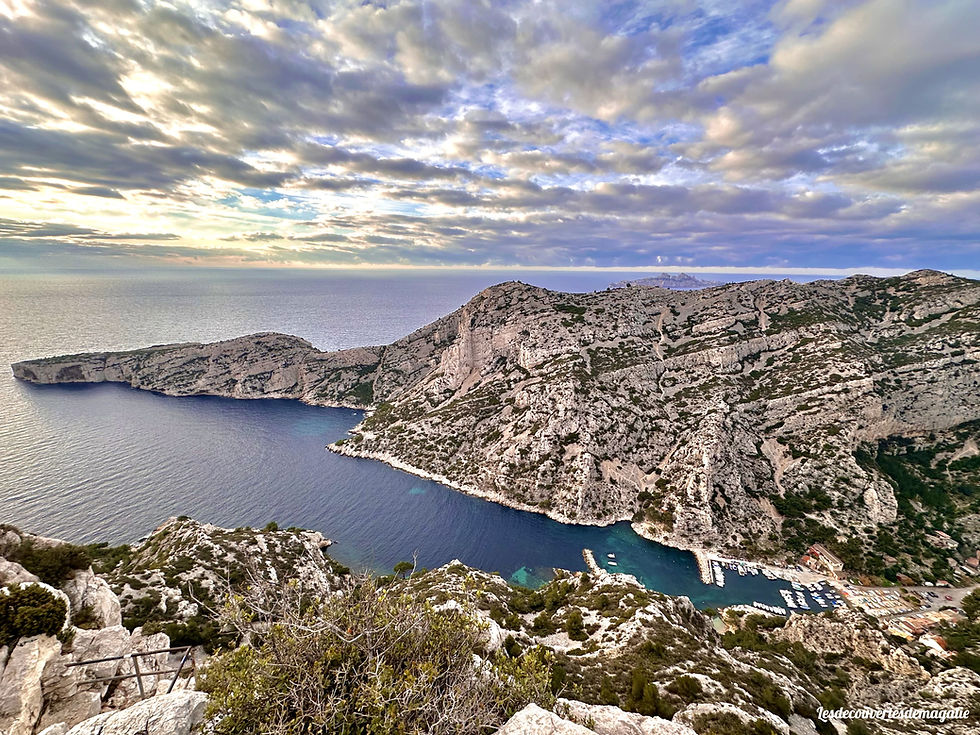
<point>109,463</point>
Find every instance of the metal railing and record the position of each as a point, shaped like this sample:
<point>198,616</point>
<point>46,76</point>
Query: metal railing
<point>138,674</point>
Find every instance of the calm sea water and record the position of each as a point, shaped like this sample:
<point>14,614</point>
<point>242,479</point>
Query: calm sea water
<point>105,462</point>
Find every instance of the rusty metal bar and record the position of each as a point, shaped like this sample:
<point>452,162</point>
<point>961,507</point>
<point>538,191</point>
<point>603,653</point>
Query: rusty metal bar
<point>129,655</point>
<point>139,679</point>
<point>176,675</point>
<point>120,677</point>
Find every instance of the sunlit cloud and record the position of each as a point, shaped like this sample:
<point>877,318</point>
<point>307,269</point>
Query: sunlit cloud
<point>466,133</point>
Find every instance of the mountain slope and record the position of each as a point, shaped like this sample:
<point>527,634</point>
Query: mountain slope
<point>708,417</point>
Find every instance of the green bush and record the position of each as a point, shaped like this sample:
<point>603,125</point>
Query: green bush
<point>728,723</point>
<point>543,624</point>
<point>197,631</point>
<point>52,564</point>
<point>686,687</point>
<point>575,626</point>
<point>30,610</point>
<point>607,693</point>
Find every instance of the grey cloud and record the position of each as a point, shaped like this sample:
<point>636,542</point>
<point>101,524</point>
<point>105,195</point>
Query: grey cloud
<point>107,160</point>
<point>548,132</point>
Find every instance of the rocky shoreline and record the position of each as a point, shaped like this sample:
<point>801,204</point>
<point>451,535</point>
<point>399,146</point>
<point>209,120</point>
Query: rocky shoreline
<point>493,497</point>
<point>739,419</point>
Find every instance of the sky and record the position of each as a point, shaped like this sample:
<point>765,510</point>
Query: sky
<point>556,133</point>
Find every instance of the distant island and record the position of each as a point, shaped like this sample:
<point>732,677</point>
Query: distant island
<point>674,281</point>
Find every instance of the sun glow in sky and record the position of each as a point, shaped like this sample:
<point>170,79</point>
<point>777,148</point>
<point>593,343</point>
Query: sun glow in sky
<point>799,133</point>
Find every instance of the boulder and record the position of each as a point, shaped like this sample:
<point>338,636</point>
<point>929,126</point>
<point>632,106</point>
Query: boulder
<point>87,590</point>
<point>533,720</point>
<point>956,687</point>
<point>59,728</point>
<point>21,698</point>
<point>609,720</point>
<point>166,714</point>
<point>13,573</point>
<point>71,710</point>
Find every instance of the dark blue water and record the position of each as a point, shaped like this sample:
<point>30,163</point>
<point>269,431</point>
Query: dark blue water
<point>109,463</point>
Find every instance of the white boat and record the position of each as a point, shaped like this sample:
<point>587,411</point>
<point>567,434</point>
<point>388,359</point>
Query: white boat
<point>611,556</point>
<point>612,564</point>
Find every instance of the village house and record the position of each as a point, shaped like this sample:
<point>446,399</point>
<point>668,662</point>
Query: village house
<point>819,555</point>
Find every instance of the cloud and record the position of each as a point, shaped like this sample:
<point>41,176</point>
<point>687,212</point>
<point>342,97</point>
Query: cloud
<point>493,132</point>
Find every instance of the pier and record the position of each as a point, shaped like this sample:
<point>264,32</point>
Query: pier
<point>704,566</point>
<point>591,563</point>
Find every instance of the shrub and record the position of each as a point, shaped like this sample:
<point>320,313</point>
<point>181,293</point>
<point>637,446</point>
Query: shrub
<point>366,660</point>
<point>85,618</point>
<point>728,723</point>
<point>686,687</point>
<point>575,626</point>
<point>52,564</point>
<point>543,624</point>
<point>30,610</point>
<point>197,631</point>
<point>607,694</point>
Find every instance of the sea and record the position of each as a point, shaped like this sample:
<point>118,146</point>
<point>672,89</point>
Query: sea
<point>105,462</point>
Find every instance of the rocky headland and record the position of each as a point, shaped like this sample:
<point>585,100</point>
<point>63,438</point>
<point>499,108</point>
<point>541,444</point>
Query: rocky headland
<point>752,418</point>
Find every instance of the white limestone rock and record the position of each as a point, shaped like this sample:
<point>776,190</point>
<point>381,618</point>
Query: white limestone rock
<point>610,720</point>
<point>178,713</point>
<point>12,573</point>
<point>21,696</point>
<point>85,589</point>
<point>533,720</point>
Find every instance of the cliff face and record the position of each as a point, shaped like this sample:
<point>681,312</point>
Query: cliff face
<point>694,413</point>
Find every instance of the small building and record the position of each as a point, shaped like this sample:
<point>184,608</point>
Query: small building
<point>936,644</point>
<point>826,558</point>
<point>973,562</point>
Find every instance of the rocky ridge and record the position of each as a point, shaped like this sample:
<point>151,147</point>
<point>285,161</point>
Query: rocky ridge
<point>625,660</point>
<point>676,281</point>
<point>166,590</point>
<point>701,416</point>
<point>634,661</point>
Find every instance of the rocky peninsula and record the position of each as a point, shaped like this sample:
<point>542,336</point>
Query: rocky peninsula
<point>746,418</point>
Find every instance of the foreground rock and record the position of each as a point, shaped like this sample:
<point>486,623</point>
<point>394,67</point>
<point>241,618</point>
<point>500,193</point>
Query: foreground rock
<point>532,720</point>
<point>178,713</point>
<point>174,581</point>
<point>715,417</point>
<point>625,660</point>
<point>609,720</point>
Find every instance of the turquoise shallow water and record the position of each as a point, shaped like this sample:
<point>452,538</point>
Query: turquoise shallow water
<point>106,462</point>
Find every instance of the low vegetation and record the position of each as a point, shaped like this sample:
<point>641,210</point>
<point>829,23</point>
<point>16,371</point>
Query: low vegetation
<point>51,564</point>
<point>30,610</point>
<point>366,659</point>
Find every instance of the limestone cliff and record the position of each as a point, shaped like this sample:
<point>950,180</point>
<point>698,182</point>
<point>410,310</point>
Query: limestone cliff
<point>701,415</point>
